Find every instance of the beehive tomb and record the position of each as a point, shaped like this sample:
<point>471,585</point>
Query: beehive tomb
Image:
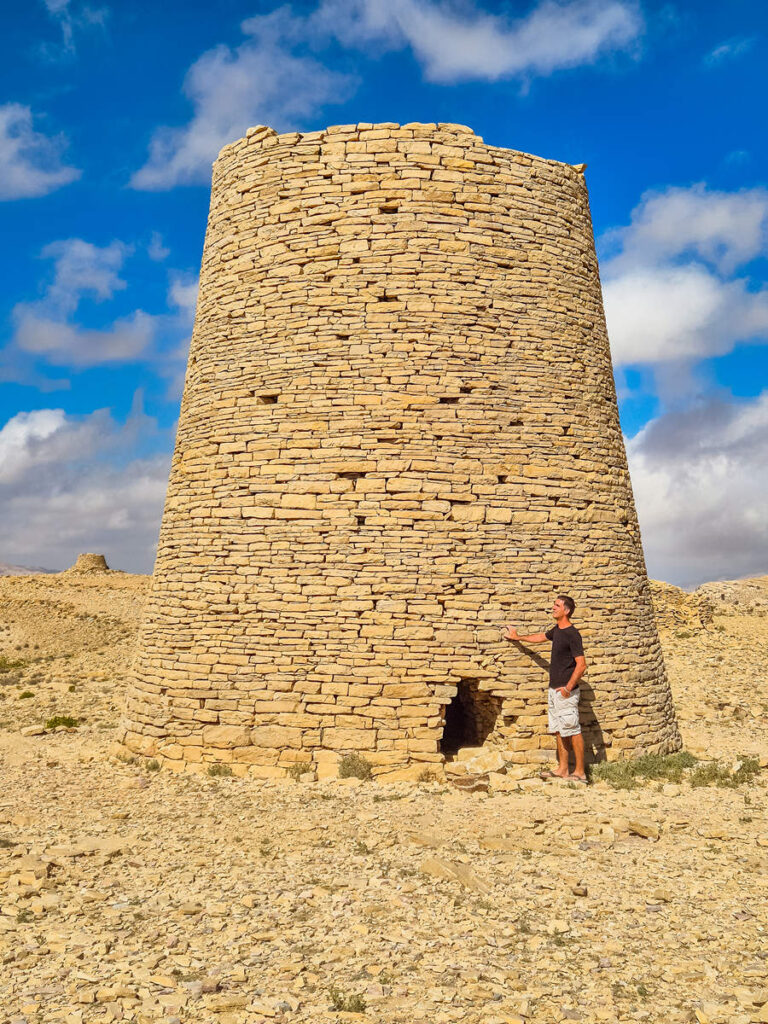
<point>399,431</point>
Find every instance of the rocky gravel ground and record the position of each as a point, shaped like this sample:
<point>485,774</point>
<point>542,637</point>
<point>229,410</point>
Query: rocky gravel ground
<point>139,895</point>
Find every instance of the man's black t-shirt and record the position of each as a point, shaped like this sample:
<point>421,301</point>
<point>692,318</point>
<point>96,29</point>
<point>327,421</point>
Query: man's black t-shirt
<point>566,647</point>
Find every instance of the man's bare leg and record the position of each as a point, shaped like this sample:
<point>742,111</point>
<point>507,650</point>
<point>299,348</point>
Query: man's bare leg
<point>577,743</point>
<point>562,757</point>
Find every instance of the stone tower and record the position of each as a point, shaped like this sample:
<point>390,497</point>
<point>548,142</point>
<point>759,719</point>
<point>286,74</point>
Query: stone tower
<point>399,430</point>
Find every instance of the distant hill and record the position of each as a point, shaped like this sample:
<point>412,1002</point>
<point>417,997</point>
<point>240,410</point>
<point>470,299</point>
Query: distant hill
<point>748,595</point>
<point>22,570</point>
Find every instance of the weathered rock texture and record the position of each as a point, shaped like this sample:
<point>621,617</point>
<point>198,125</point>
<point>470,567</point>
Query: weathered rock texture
<point>399,430</point>
<point>678,609</point>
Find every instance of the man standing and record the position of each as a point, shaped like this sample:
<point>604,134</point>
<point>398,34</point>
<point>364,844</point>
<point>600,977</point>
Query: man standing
<point>566,667</point>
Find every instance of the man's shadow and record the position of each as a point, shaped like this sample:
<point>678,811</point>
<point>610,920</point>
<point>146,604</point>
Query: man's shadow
<point>533,655</point>
<point>594,741</point>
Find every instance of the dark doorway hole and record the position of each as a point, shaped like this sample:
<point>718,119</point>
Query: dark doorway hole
<point>449,399</point>
<point>469,718</point>
<point>266,399</point>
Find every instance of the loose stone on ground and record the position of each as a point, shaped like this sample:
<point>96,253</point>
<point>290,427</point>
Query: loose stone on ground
<point>128,894</point>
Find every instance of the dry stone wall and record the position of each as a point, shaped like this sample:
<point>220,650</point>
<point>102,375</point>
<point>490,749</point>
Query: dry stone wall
<point>399,430</point>
<point>89,562</point>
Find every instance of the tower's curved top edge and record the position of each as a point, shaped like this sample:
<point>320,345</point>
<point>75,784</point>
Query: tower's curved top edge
<point>261,133</point>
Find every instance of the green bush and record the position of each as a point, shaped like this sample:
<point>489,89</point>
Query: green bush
<point>65,720</point>
<point>354,766</point>
<point>715,774</point>
<point>295,771</point>
<point>344,1003</point>
<point>26,695</point>
<point>153,765</point>
<point>219,770</point>
<point>674,768</point>
<point>6,665</point>
<point>629,773</point>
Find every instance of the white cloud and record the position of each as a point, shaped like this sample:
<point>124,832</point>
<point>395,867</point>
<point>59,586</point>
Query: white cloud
<point>63,344</point>
<point>669,287</point>
<point>457,42</point>
<point>271,79</point>
<point>21,435</point>
<point>157,250</point>
<point>680,313</point>
<point>729,50</point>
<point>30,162</point>
<point>260,81</point>
<point>47,332</point>
<point>182,294</point>
<point>726,229</point>
<point>44,328</point>
<point>71,484</point>
<point>72,16</point>
<point>82,268</point>
<point>700,479</point>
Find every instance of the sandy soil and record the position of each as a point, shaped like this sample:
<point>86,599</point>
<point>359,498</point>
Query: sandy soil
<point>139,895</point>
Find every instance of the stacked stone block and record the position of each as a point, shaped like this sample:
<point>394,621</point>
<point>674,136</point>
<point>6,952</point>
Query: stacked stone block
<point>399,430</point>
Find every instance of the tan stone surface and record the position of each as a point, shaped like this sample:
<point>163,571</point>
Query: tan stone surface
<point>148,896</point>
<point>720,687</point>
<point>680,610</point>
<point>66,640</point>
<point>399,430</point>
<point>730,597</point>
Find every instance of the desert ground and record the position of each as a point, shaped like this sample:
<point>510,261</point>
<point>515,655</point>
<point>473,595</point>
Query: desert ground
<point>131,893</point>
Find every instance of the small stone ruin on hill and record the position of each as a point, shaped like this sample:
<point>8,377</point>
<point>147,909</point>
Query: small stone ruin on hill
<point>90,563</point>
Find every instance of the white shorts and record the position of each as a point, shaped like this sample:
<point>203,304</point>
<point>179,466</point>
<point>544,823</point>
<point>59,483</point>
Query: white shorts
<point>564,713</point>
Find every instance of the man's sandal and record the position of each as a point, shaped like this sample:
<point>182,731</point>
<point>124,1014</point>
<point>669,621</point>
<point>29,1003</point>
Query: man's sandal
<point>577,778</point>
<point>550,775</point>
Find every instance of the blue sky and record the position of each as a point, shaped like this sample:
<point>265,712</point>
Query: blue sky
<point>110,116</point>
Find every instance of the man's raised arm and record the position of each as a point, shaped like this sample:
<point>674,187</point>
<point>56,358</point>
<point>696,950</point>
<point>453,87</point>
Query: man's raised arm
<point>511,633</point>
